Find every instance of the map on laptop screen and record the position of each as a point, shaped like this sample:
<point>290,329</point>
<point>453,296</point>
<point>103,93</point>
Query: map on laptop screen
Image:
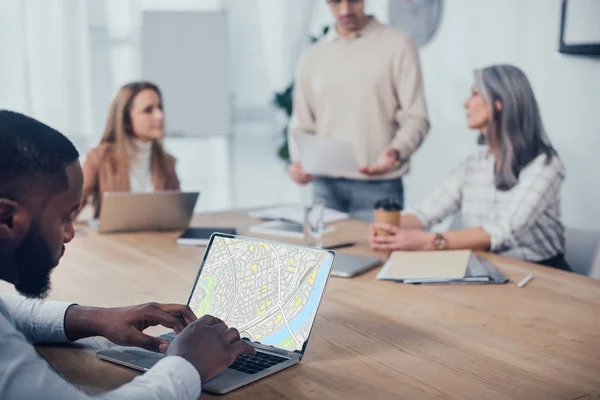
<point>269,291</point>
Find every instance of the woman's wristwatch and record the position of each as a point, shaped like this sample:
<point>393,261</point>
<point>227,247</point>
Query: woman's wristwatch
<point>440,242</point>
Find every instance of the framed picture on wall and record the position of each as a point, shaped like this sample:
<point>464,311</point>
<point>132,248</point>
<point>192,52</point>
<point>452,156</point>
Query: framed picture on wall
<point>579,27</point>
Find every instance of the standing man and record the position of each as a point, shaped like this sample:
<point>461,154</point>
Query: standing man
<point>361,84</point>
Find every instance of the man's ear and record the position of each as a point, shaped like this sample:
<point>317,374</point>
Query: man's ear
<point>14,220</point>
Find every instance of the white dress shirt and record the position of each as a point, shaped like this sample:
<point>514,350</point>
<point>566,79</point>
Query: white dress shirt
<point>24,375</point>
<point>140,168</point>
<point>523,222</point>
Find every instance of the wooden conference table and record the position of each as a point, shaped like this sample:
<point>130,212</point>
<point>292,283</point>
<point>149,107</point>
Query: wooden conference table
<point>372,339</point>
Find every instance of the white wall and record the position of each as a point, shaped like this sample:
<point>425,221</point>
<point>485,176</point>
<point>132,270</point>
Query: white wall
<point>249,79</point>
<point>267,38</point>
<point>474,34</point>
<point>44,62</point>
<point>115,46</point>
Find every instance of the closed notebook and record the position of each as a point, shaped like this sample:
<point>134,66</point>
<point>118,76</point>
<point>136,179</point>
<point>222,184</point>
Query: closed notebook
<point>201,236</point>
<point>423,265</point>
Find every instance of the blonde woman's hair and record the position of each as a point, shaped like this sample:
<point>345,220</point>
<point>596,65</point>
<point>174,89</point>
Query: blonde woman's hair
<point>119,132</point>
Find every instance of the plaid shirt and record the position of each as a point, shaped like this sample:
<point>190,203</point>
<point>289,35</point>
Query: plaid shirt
<point>523,222</point>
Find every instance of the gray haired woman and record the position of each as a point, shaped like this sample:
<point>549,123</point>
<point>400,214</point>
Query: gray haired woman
<point>508,192</point>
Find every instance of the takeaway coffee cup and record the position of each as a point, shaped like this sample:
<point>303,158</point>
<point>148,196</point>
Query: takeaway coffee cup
<point>387,211</point>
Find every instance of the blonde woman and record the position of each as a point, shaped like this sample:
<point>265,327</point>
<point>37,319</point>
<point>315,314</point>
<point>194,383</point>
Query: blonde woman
<point>508,192</point>
<point>130,156</point>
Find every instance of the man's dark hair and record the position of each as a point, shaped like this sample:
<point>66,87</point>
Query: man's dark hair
<point>29,147</point>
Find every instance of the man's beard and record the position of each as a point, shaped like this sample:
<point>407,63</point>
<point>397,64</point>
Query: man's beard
<point>34,262</point>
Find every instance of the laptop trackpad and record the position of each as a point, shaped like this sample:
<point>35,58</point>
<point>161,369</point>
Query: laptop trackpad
<point>149,361</point>
<point>132,357</point>
<point>227,380</point>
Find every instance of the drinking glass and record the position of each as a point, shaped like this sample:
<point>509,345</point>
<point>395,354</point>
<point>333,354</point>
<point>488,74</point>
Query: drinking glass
<point>313,223</point>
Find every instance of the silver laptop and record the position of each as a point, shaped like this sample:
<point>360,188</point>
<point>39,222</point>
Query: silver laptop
<point>349,265</point>
<point>269,291</point>
<point>130,212</point>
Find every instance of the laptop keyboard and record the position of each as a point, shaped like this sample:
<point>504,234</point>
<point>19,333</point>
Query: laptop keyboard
<point>250,364</point>
<point>256,363</point>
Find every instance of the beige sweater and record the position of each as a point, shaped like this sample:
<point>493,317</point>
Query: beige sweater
<point>366,90</point>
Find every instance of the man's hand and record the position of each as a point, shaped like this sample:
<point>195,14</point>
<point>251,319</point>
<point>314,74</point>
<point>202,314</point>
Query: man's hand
<point>125,325</point>
<point>299,175</point>
<point>210,346</point>
<point>388,159</point>
<point>399,239</point>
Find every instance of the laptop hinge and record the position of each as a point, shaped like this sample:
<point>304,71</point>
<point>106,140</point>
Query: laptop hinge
<point>275,350</point>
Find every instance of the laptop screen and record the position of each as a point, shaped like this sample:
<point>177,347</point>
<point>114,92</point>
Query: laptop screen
<point>269,291</point>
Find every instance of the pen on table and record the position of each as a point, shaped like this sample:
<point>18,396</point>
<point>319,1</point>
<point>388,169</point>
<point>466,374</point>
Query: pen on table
<point>525,281</point>
<point>339,246</point>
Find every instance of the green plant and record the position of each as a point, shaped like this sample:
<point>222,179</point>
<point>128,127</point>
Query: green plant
<point>284,100</point>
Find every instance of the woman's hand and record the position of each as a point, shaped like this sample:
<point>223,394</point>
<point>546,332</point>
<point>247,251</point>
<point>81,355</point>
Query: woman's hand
<point>399,239</point>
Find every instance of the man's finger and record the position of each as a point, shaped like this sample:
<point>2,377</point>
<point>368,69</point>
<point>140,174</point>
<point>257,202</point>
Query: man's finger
<point>139,339</point>
<point>306,179</point>
<point>373,172</point>
<point>241,347</point>
<point>209,320</point>
<point>302,170</point>
<point>158,316</point>
<point>180,311</point>
<point>220,327</point>
<point>231,335</point>
<point>378,169</point>
<point>367,171</point>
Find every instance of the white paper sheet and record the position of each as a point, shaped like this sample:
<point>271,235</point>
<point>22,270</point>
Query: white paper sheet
<point>324,156</point>
<point>295,214</point>
<point>284,228</point>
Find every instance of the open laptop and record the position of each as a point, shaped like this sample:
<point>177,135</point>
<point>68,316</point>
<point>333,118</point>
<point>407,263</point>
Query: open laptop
<point>269,291</point>
<point>130,212</point>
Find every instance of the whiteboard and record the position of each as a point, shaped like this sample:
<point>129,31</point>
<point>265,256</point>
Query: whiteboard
<point>186,54</point>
